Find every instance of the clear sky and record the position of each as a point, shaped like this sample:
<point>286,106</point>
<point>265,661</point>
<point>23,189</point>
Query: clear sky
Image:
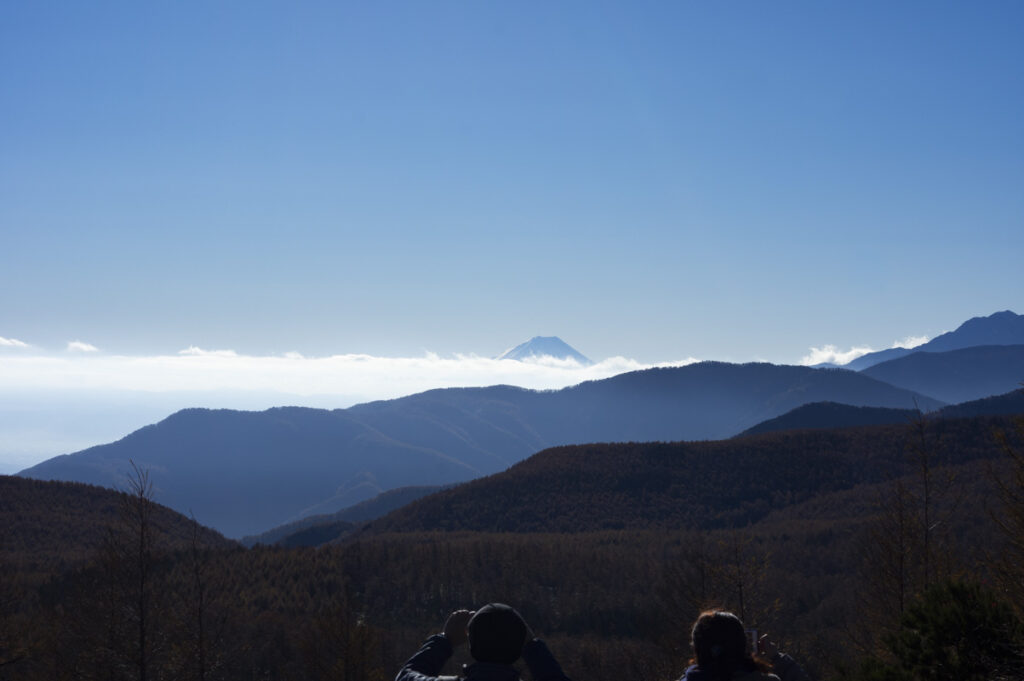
<point>654,181</point>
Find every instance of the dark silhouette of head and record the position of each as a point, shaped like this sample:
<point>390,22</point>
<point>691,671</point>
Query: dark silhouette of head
<point>720,644</point>
<point>497,634</point>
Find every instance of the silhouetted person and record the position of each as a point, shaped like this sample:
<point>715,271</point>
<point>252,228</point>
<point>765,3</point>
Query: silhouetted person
<point>722,653</point>
<point>498,636</point>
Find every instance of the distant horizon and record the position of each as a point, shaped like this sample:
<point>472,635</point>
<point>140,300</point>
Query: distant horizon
<point>58,403</point>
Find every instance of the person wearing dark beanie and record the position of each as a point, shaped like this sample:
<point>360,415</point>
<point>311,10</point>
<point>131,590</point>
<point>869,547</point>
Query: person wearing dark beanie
<point>497,633</point>
<point>498,636</point>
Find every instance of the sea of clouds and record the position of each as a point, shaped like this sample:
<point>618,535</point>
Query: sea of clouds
<point>350,377</point>
<point>59,402</point>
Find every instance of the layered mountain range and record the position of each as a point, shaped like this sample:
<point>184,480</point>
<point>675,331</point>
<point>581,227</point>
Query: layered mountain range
<point>1000,328</point>
<point>245,472</point>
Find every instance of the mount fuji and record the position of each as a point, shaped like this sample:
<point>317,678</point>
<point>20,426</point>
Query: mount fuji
<point>541,346</point>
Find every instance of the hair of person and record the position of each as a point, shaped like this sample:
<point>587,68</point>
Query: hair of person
<point>497,633</point>
<point>720,646</point>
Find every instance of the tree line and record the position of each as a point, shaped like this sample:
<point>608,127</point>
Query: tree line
<point>866,596</point>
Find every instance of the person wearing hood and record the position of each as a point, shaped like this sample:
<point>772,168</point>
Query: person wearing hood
<point>498,636</point>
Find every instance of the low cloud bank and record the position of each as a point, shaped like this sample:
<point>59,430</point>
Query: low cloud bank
<point>911,342</point>
<point>357,377</point>
<point>831,354</point>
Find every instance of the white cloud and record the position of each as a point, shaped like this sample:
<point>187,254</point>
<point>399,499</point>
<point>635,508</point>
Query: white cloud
<point>911,342</point>
<point>193,351</point>
<point>833,355</point>
<point>12,343</point>
<point>348,379</point>
<point>79,346</point>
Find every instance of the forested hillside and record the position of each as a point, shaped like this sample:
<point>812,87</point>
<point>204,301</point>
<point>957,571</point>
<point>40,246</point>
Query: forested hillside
<point>336,524</point>
<point>803,554</point>
<point>833,415</point>
<point>655,533</point>
<point>689,485</point>
<point>49,527</point>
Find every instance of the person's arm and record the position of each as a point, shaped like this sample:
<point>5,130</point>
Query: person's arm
<point>429,660</point>
<point>783,666</point>
<point>542,664</point>
<point>788,669</point>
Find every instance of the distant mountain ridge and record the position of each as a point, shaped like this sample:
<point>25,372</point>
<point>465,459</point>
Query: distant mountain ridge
<point>823,415</point>
<point>245,472</point>
<point>955,375</point>
<point>545,346</point>
<point>999,328</point>
<point>814,416</point>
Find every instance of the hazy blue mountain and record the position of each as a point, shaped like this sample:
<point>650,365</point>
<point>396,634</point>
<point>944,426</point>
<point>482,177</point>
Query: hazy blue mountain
<point>244,472</point>
<point>957,375</point>
<point>873,358</point>
<point>540,346</point>
<point>1000,328</point>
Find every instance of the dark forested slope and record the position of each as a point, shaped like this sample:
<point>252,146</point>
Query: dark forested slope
<point>687,484</point>
<point>834,415</point>
<point>47,527</point>
<point>331,526</point>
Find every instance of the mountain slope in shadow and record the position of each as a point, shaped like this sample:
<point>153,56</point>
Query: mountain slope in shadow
<point>957,375</point>
<point>685,485</point>
<point>834,415</point>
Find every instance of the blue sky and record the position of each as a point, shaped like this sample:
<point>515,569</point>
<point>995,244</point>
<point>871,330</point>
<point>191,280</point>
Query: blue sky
<point>653,181</point>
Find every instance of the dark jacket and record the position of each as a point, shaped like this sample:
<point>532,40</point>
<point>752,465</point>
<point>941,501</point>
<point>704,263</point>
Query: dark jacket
<point>784,668</point>
<point>695,673</point>
<point>429,660</point>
